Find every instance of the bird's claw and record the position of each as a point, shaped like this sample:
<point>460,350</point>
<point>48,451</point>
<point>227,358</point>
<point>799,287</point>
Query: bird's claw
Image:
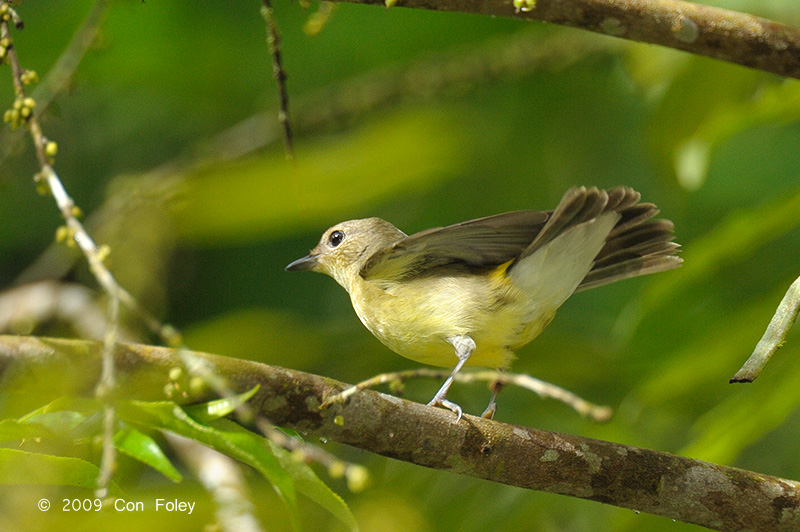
<point>450,405</point>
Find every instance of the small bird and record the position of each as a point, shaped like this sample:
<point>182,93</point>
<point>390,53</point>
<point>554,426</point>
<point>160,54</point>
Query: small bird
<point>475,292</point>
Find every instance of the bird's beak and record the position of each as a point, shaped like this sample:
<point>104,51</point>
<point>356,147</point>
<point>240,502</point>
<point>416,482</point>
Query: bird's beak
<point>309,262</point>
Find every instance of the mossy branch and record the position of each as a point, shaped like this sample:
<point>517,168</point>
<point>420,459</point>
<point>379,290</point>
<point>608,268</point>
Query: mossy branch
<point>34,370</point>
<point>703,30</point>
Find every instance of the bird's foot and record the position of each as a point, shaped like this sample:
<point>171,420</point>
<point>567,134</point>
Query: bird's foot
<point>450,405</point>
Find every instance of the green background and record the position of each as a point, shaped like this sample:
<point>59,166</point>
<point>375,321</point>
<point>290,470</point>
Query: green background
<point>201,236</point>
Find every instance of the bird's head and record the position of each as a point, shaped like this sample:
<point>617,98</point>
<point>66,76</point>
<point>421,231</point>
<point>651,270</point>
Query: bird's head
<point>345,248</point>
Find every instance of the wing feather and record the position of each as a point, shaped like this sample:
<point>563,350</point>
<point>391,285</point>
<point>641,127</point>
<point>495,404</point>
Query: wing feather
<point>475,245</point>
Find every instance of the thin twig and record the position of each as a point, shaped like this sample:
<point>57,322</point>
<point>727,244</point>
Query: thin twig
<point>703,30</point>
<point>274,41</point>
<point>543,389</point>
<point>774,336</point>
<point>103,391</point>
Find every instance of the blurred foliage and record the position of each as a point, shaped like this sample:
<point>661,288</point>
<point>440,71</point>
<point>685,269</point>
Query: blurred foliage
<point>163,144</point>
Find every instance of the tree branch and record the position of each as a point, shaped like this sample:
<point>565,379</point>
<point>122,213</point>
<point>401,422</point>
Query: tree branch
<point>34,370</point>
<point>703,30</point>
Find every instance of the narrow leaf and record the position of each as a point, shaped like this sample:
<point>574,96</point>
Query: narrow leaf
<point>142,447</point>
<point>218,408</point>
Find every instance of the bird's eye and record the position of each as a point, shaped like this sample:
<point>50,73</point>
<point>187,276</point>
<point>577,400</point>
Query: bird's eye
<point>336,238</point>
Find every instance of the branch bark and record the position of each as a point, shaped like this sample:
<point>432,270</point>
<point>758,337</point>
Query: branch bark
<point>703,30</point>
<point>35,370</point>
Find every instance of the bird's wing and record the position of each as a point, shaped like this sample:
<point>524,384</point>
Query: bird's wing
<point>471,246</point>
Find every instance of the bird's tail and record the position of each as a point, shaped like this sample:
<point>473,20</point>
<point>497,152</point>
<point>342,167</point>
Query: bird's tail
<point>637,245</point>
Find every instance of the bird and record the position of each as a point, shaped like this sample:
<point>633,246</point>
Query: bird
<point>474,293</point>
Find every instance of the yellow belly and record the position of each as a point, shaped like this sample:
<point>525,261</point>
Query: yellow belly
<point>414,318</point>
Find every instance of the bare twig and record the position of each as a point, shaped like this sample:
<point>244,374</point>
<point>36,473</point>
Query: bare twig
<point>774,336</point>
<point>274,41</point>
<point>104,389</point>
<point>543,389</point>
<point>710,495</point>
<point>703,30</point>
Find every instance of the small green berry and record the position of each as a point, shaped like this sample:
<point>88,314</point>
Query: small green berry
<point>524,5</point>
<point>175,373</point>
<point>42,187</point>
<point>62,234</point>
<point>197,385</point>
<point>51,149</point>
<point>357,478</point>
<point>336,469</point>
<point>30,76</point>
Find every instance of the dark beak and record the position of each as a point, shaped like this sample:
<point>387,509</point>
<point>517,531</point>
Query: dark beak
<point>306,263</point>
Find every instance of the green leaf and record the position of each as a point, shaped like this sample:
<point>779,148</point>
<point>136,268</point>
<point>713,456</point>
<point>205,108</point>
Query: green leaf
<point>71,418</point>
<point>245,448</point>
<point>68,418</point>
<point>218,408</point>
<point>12,429</point>
<point>142,447</point>
<point>84,405</point>
<point>64,423</point>
<point>305,480</point>
<point>22,467</point>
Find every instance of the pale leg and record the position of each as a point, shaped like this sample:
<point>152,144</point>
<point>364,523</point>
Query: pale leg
<point>464,347</point>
